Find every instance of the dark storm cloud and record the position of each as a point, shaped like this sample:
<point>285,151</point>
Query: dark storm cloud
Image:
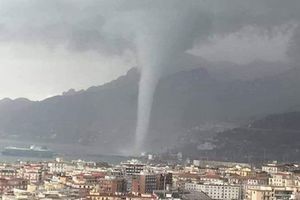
<point>79,24</point>
<point>111,27</point>
<point>75,24</point>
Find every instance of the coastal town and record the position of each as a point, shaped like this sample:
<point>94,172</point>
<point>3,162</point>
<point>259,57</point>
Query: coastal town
<point>149,100</point>
<point>148,179</point>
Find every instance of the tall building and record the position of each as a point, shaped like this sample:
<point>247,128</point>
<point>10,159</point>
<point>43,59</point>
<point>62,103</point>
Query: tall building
<point>164,181</point>
<point>144,183</point>
<point>112,185</point>
<point>132,167</point>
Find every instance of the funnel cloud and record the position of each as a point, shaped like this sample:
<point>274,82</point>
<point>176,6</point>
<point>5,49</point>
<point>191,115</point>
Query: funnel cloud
<point>158,43</point>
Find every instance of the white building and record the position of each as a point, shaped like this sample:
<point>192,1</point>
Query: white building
<point>281,179</point>
<point>57,167</point>
<point>272,193</point>
<point>132,167</point>
<point>219,192</point>
<point>272,168</point>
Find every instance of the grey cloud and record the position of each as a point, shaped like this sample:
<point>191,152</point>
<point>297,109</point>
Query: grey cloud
<point>79,24</point>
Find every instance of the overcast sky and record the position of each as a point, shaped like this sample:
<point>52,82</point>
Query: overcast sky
<point>50,46</point>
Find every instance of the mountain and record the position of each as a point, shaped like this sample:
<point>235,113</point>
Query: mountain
<point>274,137</point>
<point>9,107</point>
<point>104,116</point>
<point>17,104</point>
<point>78,117</point>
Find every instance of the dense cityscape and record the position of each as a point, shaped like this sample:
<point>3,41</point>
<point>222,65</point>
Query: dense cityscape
<point>149,178</point>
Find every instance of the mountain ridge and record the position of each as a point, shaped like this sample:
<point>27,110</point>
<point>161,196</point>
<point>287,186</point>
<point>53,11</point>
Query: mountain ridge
<point>105,116</point>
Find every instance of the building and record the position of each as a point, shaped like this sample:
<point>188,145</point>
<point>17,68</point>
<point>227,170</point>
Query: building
<point>8,172</point>
<point>8,184</point>
<point>132,167</point>
<point>281,179</point>
<point>271,193</point>
<point>144,183</point>
<point>272,168</point>
<point>33,173</point>
<point>57,167</point>
<point>111,185</point>
<point>218,192</point>
<point>164,181</point>
<point>103,196</point>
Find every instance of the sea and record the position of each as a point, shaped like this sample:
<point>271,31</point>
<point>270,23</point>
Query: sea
<point>67,152</point>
